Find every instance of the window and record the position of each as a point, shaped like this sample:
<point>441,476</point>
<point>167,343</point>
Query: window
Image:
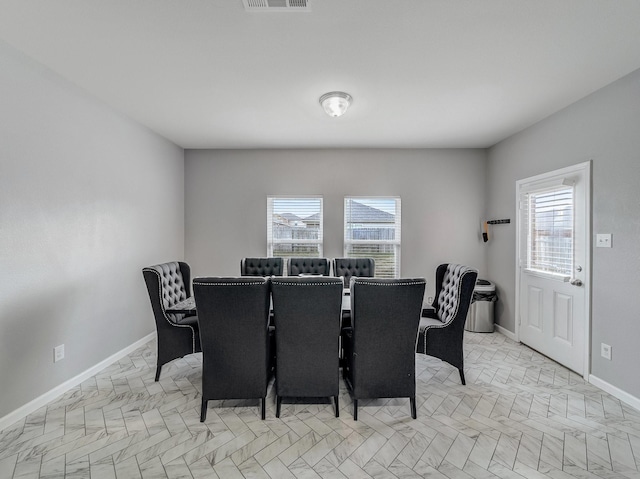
<point>372,230</point>
<point>548,221</point>
<point>294,226</point>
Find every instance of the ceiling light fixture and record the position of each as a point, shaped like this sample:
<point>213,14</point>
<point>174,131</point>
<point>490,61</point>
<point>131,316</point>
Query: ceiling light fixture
<point>335,103</point>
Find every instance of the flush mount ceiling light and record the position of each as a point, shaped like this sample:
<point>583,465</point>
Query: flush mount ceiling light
<point>335,103</point>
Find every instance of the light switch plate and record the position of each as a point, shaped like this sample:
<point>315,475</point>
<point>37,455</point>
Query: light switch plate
<point>603,240</point>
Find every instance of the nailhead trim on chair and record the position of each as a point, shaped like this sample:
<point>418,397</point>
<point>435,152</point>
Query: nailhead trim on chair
<point>206,283</point>
<point>403,283</point>
<point>172,323</point>
<point>314,283</point>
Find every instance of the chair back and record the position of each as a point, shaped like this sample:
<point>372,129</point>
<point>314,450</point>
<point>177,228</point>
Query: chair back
<point>167,284</point>
<point>454,290</point>
<point>233,315</point>
<point>297,266</point>
<point>261,267</point>
<point>385,314</point>
<point>359,267</point>
<point>307,315</point>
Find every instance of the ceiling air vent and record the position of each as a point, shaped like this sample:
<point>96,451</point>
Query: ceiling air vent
<point>277,5</point>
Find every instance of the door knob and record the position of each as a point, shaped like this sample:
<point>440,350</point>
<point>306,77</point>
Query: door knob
<point>576,282</point>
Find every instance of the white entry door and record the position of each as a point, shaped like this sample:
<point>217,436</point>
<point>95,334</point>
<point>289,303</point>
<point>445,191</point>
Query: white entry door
<point>553,271</point>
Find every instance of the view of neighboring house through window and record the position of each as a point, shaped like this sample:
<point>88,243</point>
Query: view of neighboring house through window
<point>372,230</point>
<point>294,226</point>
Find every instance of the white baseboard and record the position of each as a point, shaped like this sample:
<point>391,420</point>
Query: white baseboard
<point>49,396</point>
<point>615,392</point>
<point>506,332</point>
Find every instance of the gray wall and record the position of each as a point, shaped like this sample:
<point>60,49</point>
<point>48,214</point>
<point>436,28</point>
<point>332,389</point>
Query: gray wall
<point>603,127</point>
<point>87,198</point>
<point>442,195</point>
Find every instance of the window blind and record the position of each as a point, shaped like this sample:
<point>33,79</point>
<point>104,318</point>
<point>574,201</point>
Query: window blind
<point>372,229</point>
<point>294,226</point>
<point>548,218</point>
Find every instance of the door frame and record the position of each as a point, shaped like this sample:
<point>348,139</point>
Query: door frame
<point>584,168</point>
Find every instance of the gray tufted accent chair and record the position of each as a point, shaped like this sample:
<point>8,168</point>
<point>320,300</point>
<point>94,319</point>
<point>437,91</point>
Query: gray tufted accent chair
<point>298,266</point>
<point>261,266</point>
<point>358,267</point>
<point>379,348</point>
<point>441,331</point>
<point>178,335</point>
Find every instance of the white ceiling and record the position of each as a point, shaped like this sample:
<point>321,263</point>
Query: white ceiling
<point>423,73</point>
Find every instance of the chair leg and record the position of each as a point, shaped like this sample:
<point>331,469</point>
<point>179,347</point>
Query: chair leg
<point>203,410</point>
<point>462,376</point>
<point>355,409</point>
<point>263,408</point>
<point>337,407</point>
<point>278,404</point>
<point>158,368</point>
<point>414,413</point>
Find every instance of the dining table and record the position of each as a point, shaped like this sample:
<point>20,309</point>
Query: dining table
<point>188,306</point>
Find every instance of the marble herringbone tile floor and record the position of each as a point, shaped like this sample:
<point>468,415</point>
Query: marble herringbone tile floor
<point>520,415</point>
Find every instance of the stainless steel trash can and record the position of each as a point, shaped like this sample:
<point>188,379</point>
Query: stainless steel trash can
<point>480,316</point>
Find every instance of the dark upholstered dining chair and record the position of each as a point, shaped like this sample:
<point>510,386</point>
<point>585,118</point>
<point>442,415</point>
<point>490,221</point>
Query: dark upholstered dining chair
<point>233,315</point>
<point>261,267</point>
<point>298,266</point>
<point>441,331</point>
<point>359,267</point>
<point>307,330</point>
<point>168,284</point>
<point>379,346</point>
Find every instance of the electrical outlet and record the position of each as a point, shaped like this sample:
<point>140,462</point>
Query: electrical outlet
<point>605,351</point>
<point>603,240</point>
<point>58,353</point>
<point>430,300</point>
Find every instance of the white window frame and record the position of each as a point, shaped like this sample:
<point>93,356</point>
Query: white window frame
<point>273,241</point>
<point>396,242</point>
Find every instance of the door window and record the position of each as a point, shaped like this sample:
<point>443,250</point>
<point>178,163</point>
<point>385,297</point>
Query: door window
<point>548,220</point>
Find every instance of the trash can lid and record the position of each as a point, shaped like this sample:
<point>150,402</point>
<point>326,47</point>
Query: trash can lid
<point>484,285</point>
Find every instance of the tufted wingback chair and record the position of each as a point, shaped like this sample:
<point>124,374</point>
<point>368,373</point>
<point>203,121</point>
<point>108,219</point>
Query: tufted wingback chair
<point>261,267</point>
<point>298,266</point>
<point>178,335</point>
<point>379,348</point>
<point>359,267</point>
<point>441,331</point>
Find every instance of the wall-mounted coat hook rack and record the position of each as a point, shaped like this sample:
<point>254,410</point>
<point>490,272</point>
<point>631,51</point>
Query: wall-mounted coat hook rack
<point>485,233</point>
